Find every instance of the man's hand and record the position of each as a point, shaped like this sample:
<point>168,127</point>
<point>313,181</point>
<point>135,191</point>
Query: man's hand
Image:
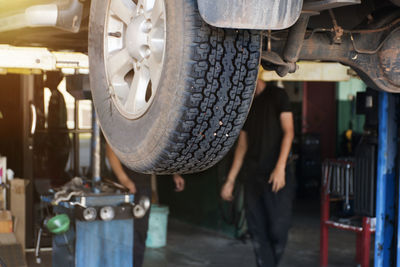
<point>131,186</point>
<point>119,170</point>
<point>227,189</point>
<point>277,179</point>
<point>179,183</point>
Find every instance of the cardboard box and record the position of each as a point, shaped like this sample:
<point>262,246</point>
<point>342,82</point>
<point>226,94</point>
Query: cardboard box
<point>18,208</point>
<point>8,239</point>
<point>5,222</point>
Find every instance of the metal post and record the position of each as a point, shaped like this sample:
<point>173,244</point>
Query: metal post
<point>359,248</point>
<point>385,197</point>
<point>27,84</point>
<point>365,244</point>
<point>76,140</point>
<point>95,151</point>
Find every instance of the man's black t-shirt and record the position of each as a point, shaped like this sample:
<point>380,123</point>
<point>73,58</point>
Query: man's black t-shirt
<point>142,181</point>
<point>264,131</point>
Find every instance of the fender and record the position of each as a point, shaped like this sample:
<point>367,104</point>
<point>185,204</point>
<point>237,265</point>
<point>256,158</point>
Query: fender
<point>250,14</point>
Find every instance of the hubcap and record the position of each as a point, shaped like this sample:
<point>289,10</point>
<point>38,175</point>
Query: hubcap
<point>134,53</point>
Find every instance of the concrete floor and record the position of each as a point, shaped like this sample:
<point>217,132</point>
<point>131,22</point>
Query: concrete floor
<point>192,246</point>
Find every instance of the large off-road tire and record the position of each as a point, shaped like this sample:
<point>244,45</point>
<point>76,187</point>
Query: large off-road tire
<point>194,95</point>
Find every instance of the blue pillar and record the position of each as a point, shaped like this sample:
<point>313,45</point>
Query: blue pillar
<point>385,243</point>
<point>398,192</point>
<point>398,226</point>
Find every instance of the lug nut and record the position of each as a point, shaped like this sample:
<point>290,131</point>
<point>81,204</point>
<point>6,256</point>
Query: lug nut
<point>147,26</point>
<point>148,52</point>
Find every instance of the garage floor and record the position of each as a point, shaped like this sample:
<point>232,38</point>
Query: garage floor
<point>189,246</point>
<point>192,246</point>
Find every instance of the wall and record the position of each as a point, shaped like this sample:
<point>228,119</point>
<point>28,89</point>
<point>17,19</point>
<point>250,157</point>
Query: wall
<point>346,110</point>
<point>319,114</point>
<point>10,122</point>
<point>200,203</point>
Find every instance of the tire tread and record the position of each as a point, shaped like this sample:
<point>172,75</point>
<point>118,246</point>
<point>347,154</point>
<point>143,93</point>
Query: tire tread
<point>223,71</point>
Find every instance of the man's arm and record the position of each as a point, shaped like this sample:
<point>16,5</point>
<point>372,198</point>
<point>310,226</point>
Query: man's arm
<point>119,171</point>
<point>240,152</point>
<point>277,177</point>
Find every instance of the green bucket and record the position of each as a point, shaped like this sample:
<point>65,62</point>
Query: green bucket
<point>58,224</point>
<point>157,233</point>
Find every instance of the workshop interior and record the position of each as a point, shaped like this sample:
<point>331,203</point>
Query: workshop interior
<point>67,69</point>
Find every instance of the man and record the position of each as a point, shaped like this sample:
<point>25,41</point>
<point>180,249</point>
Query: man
<point>140,185</point>
<point>58,142</point>
<point>263,148</point>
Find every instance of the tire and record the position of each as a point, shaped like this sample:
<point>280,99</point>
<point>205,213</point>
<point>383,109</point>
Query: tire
<point>202,99</point>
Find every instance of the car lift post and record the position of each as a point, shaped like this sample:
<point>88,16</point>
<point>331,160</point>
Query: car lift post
<point>385,243</point>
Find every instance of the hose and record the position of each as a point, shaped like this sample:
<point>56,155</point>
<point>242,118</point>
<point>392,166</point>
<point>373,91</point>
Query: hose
<point>371,52</point>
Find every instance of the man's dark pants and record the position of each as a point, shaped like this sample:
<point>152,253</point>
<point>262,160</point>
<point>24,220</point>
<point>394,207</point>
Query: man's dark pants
<point>269,217</point>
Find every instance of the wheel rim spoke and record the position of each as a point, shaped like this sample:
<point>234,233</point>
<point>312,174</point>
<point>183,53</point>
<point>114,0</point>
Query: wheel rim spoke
<point>157,43</point>
<point>122,10</point>
<point>137,93</point>
<point>121,89</point>
<point>119,64</point>
<point>154,67</point>
<point>146,5</point>
<point>156,12</point>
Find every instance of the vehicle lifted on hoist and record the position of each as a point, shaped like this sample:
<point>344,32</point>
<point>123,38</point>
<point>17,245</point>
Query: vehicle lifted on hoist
<point>172,81</point>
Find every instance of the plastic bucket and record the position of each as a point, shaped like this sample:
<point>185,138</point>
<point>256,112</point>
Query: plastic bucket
<point>158,221</point>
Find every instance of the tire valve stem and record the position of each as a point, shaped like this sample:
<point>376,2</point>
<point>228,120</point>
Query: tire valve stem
<point>115,34</point>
